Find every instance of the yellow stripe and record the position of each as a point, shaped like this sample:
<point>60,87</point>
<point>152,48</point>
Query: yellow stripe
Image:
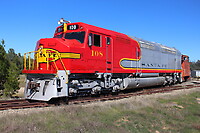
<point>129,59</point>
<point>49,55</point>
<point>70,55</point>
<point>179,70</point>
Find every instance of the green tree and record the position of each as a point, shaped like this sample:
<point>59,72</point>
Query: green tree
<point>20,62</point>
<point>16,59</point>
<point>3,43</point>
<point>11,84</point>
<point>195,65</point>
<point>10,68</point>
<point>4,65</point>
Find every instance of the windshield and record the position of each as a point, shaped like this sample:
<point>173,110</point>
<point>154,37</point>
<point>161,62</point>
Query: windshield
<point>79,36</point>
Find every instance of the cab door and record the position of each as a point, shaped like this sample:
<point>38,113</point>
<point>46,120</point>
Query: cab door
<point>109,65</point>
<point>97,52</point>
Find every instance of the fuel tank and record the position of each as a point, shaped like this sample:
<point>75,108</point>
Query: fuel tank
<point>131,83</point>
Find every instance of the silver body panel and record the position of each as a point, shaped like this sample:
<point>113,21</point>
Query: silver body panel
<point>43,87</point>
<point>154,56</point>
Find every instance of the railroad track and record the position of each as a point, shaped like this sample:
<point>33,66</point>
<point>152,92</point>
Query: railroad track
<point>130,94</point>
<point>22,103</point>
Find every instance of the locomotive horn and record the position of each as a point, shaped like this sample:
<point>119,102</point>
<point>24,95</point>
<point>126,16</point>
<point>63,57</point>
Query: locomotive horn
<point>61,21</point>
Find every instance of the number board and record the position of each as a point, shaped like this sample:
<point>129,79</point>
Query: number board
<point>72,27</point>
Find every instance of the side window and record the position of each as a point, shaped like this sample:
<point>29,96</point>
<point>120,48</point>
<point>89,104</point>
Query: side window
<point>108,40</point>
<point>97,40</point>
<point>186,58</point>
<point>94,39</point>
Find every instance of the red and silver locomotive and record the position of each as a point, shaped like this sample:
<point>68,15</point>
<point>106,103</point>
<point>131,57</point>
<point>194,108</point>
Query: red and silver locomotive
<point>84,59</point>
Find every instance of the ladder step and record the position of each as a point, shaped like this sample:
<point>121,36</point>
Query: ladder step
<point>108,62</point>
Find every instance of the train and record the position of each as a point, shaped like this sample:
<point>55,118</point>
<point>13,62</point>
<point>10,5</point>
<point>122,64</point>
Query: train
<point>82,59</point>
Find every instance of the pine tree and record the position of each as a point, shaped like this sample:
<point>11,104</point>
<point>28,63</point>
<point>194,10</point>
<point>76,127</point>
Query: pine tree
<point>15,59</point>
<point>11,84</point>
<point>10,68</point>
<point>4,65</point>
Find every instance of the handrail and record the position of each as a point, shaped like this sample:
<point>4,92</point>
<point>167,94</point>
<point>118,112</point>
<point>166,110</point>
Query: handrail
<point>62,64</point>
<point>25,61</point>
<point>30,64</point>
<point>34,63</point>
<point>37,66</point>
<point>47,59</point>
<point>63,67</point>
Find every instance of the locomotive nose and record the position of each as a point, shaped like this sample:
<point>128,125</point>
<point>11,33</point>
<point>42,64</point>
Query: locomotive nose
<point>47,42</point>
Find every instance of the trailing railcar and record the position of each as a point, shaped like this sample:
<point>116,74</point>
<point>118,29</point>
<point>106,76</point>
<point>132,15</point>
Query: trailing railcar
<point>83,59</point>
<point>186,72</point>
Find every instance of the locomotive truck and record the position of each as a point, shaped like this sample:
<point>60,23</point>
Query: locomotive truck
<point>83,59</point>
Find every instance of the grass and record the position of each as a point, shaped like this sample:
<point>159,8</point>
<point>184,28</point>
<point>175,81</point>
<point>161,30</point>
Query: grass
<point>173,114</point>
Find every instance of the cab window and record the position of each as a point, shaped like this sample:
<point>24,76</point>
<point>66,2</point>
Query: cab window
<point>94,39</point>
<point>97,40</point>
<point>79,36</point>
<point>60,29</point>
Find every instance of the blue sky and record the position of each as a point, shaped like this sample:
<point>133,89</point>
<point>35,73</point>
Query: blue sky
<point>174,23</point>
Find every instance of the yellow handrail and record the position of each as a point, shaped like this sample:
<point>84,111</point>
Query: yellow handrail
<point>47,59</point>
<point>37,66</point>
<point>35,62</point>
<point>63,67</point>
<point>62,63</point>
<point>25,61</point>
<point>29,60</point>
<point>55,65</point>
